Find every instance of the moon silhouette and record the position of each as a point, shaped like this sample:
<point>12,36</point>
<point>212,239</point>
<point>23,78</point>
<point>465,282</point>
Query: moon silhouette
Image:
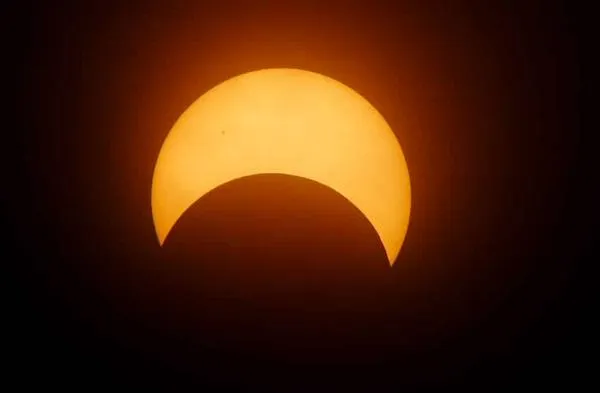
<point>285,121</point>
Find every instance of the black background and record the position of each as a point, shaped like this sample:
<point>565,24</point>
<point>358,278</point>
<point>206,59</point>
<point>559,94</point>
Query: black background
<point>487,289</point>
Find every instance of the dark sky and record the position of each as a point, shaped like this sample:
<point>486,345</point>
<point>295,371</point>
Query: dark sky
<point>275,282</point>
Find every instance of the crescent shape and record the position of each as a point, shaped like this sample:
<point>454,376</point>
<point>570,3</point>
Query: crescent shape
<point>285,121</point>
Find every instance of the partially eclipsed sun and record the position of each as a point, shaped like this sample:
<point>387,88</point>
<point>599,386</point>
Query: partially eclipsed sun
<point>285,121</point>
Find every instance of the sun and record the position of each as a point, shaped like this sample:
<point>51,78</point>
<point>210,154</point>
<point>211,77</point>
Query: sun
<point>285,121</point>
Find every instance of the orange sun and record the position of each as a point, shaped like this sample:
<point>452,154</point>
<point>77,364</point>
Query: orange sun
<point>285,121</point>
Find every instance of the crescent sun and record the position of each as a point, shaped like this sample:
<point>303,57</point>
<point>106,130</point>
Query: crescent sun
<point>285,121</point>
